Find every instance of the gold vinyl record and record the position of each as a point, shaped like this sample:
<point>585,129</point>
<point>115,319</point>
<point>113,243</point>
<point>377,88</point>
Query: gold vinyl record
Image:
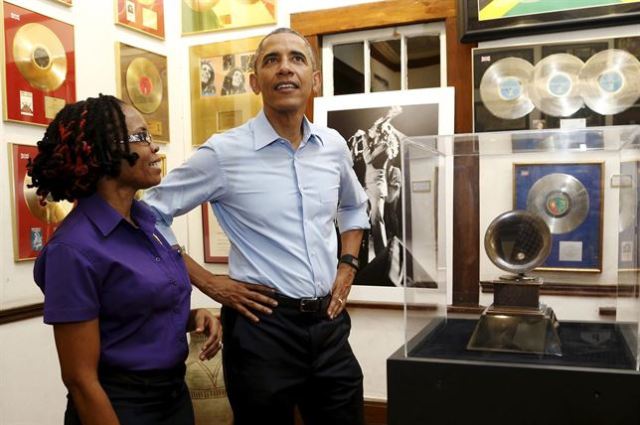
<point>40,57</point>
<point>610,81</point>
<point>555,88</point>
<point>560,200</point>
<point>144,85</point>
<point>504,88</point>
<point>52,212</point>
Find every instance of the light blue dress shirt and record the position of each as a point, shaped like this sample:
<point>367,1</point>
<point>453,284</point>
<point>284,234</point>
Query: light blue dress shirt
<point>277,206</point>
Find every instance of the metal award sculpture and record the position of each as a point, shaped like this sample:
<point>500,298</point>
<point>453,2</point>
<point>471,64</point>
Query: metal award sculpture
<point>517,242</point>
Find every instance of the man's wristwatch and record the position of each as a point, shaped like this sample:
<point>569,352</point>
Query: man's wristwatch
<point>350,260</point>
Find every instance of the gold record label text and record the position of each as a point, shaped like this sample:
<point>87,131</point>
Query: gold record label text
<point>52,106</point>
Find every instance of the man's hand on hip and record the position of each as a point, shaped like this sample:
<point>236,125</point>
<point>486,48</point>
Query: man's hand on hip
<point>244,297</point>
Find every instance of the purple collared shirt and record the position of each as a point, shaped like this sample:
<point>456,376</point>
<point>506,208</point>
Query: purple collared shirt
<point>97,265</point>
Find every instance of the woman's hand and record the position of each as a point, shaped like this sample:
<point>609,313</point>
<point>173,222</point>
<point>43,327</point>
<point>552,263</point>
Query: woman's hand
<point>202,321</point>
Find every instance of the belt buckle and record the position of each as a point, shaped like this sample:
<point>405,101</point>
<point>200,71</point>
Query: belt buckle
<point>309,305</point>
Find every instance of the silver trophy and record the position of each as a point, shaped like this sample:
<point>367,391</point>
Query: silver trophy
<point>517,242</point>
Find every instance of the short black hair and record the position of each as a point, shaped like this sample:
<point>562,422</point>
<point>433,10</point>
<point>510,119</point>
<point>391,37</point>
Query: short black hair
<point>285,30</point>
<point>79,147</point>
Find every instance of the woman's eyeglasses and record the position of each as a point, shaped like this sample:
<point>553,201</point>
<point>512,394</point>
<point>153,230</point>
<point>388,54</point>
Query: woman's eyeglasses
<point>143,137</point>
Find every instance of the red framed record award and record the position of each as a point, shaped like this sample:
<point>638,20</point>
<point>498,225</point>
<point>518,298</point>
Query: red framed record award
<point>39,64</point>
<point>33,223</point>
<point>146,16</point>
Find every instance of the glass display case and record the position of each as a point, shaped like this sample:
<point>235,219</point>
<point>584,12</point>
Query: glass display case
<point>557,259</point>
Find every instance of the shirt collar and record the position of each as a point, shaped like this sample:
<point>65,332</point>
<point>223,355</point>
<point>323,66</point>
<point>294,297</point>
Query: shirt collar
<point>106,218</point>
<point>264,134</point>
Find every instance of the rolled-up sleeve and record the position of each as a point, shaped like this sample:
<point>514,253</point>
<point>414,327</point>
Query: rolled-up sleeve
<point>70,285</point>
<point>352,206</point>
<point>199,179</point>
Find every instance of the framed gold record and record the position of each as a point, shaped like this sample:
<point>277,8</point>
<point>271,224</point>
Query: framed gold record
<point>33,223</point>
<point>221,97</point>
<point>216,15</point>
<point>145,16</point>
<point>38,65</point>
<point>142,82</point>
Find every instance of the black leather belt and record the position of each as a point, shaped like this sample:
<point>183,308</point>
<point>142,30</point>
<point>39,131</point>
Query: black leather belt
<point>304,305</point>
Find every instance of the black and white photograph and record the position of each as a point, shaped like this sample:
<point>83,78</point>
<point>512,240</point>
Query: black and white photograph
<point>375,126</point>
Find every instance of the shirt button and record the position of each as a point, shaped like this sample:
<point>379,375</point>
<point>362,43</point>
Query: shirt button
<point>157,259</point>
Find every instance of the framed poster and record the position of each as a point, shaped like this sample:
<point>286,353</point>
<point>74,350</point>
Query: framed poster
<point>216,244</point>
<point>142,82</point>
<point>146,16</point>
<point>375,126</point>
<point>33,224</point>
<point>39,66</point>
<point>216,15</point>
<point>569,197</point>
<point>492,19</point>
<point>221,97</point>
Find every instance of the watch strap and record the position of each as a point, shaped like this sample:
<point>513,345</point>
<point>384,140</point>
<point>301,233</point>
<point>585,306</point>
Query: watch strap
<point>350,260</point>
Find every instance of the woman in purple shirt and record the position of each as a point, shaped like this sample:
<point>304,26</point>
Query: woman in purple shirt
<point>116,293</point>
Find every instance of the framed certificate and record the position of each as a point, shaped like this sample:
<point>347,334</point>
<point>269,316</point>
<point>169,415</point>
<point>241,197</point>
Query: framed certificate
<point>569,198</point>
<point>39,66</point>
<point>142,82</point>
<point>216,244</point>
<point>221,97</point>
<point>146,16</point>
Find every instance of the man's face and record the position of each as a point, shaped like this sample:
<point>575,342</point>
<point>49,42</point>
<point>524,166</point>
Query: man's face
<point>284,74</point>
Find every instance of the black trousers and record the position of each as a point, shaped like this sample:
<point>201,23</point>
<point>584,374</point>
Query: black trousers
<point>291,359</point>
<point>157,398</point>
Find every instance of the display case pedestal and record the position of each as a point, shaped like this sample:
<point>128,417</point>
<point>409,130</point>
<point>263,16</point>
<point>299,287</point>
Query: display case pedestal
<point>441,382</point>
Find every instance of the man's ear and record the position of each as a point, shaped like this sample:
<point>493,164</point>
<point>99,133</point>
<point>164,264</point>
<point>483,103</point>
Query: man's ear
<point>317,82</point>
<point>253,80</point>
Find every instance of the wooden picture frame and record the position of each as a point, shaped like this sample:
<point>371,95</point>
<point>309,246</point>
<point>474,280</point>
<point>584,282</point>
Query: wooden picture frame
<point>142,82</point>
<point>216,244</point>
<point>492,19</point>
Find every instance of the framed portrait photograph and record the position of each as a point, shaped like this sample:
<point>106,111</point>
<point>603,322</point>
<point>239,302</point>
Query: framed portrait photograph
<point>569,197</point>
<point>145,16</point>
<point>142,82</point>
<point>375,126</point>
<point>200,16</point>
<point>492,19</point>
<point>221,96</point>
<point>39,66</point>
<point>216,244</point>
<point>33,223</point>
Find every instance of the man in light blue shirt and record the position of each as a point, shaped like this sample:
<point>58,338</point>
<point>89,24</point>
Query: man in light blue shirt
<point>277,185</point>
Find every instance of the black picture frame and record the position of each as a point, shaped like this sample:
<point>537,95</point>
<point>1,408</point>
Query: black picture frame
<point>471,29</point>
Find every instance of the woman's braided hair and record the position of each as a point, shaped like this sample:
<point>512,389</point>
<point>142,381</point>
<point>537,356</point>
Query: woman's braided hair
<point>79,147</point>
